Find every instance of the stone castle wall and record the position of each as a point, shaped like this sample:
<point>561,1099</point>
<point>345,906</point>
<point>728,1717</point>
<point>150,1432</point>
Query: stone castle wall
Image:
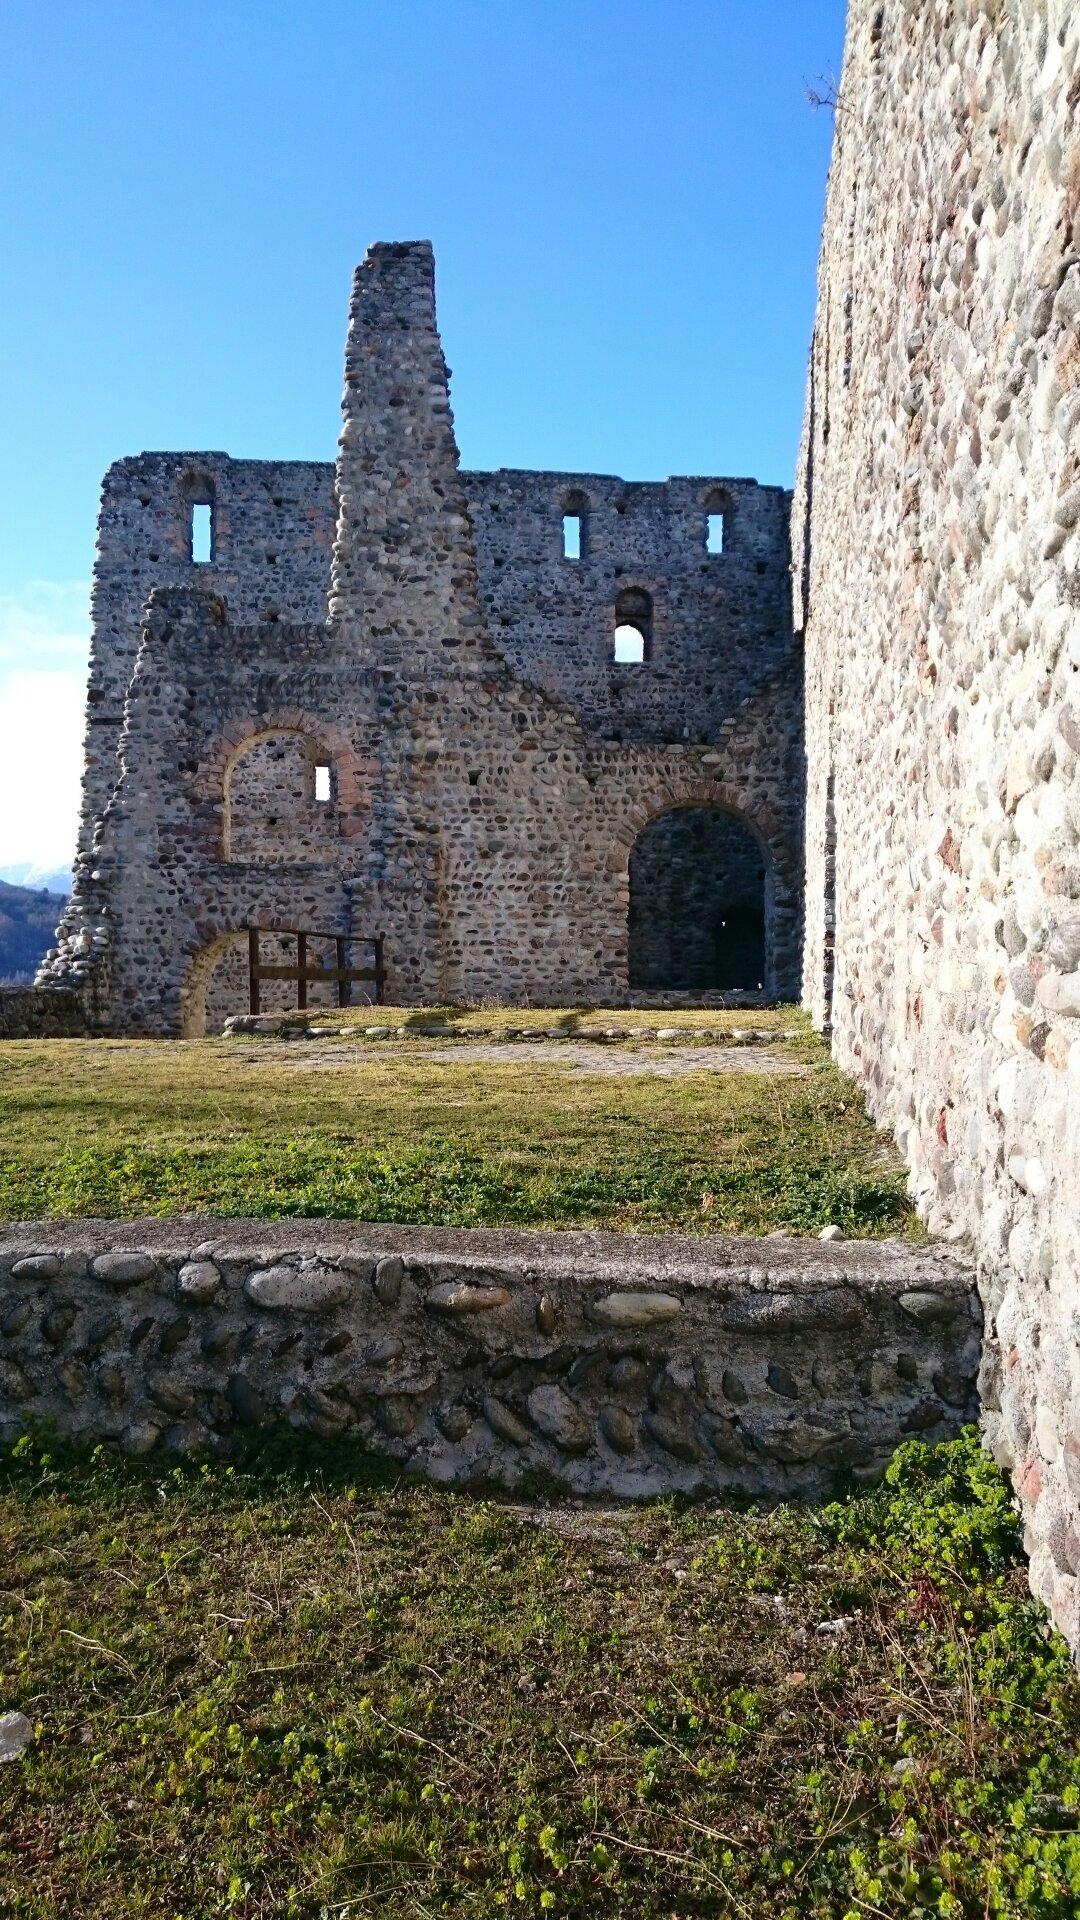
<point>721,622</point>
<point>273,535</point>
<point>478,810</point>
<point>41,1013</point>
<point>937,542</point>
<point>627,1366</point>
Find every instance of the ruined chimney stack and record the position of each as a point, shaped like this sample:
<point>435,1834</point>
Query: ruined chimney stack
<point>404,582</point>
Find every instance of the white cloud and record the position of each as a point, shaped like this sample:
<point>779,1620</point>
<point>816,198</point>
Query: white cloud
<point>44,645</point>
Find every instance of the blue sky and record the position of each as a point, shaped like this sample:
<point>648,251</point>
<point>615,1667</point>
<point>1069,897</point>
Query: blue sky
<point>625,199</point>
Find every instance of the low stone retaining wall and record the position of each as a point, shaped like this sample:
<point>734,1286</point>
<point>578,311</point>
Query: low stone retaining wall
<point>41,1013</point>
<point>616,1365</point>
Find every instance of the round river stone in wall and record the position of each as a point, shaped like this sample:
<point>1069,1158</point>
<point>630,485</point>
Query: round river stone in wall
<point>504,1422</point>
<point>634,1309</point>
<point>285,1290</point>
<point>396,1416</point>
<point>14,1384</point>
<point>459,1297</point>
<point>389,1275</point>
<point>929,1309</point>
<point>123,1269</point>
<point>37,1266</point>
<point>618,1429</point>
<point>675,1438</point>
<point>453,1421</point>
<point>546,1314</point>
<point>198,1281</point>
<point>246,1401</point>
<point>554,1413</point>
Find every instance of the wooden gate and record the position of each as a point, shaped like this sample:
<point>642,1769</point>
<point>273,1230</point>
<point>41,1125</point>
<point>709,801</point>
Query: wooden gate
<point>303,972</point>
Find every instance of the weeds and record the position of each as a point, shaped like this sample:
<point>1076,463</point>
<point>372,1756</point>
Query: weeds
<point>297,1685</point>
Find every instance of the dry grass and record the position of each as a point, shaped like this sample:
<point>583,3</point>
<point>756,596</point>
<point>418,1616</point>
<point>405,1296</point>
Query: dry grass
<point>568,1020</point>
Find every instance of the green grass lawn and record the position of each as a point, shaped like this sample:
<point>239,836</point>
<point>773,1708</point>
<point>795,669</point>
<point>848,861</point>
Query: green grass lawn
<point>302,1687</point>
<point>390,1133</point>
<point>568,1020</point>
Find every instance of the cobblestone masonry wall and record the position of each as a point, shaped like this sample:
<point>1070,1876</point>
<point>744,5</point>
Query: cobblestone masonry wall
<point>40,1013</point>
<point>721,622</point>
<point>477,818</point>
<point>620,1366</point>
<point>937,534</point>
<point>272,807</point>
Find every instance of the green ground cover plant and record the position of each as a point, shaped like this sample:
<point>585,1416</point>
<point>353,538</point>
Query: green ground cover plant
<point>394,1133</point>
<point>298,1685</point>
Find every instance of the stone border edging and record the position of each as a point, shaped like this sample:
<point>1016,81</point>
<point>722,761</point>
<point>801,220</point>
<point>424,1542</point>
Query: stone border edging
<point>286,1026</point>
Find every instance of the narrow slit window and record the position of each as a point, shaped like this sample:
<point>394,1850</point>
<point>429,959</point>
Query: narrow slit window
<point>322,785</point>
<point>714,533</point>
<point>571,536</point>
<point>202,532</point>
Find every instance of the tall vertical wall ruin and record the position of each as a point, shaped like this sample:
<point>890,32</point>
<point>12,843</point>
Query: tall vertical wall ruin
<point>937,543</point>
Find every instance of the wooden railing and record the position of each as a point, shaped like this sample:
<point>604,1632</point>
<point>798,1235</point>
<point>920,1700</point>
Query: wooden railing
<point>306,974</point>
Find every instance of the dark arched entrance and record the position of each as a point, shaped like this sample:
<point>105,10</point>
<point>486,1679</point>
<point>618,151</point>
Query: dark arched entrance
<point>697,903</point>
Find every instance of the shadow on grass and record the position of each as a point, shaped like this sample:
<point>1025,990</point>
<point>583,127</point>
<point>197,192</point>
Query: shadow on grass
<point>277,1463</point>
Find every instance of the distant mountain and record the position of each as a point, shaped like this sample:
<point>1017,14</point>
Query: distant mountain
<point>31,873</point>
<point>28,922</point>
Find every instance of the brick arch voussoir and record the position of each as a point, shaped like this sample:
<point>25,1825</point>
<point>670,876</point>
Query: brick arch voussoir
<point>243,731</point>
<point>214,935</point>
<point>728,797</point>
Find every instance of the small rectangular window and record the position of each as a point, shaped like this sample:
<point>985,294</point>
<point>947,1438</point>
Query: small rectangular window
<point>714,533</point>
<point>571,536</point>
<point>322,785</point>
<point>202,532</point>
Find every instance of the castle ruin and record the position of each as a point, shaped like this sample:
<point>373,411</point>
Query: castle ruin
<point>538,731</point>
<point>392,700</point>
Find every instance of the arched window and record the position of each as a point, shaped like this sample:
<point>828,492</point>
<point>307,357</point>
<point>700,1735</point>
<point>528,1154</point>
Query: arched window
<point>198,494</point>
<point>632,642</point>
<point>575,526</point>
<point>717,516</point>
<point>278,801</point>
<point>699,887</point>
<point>629,649</point>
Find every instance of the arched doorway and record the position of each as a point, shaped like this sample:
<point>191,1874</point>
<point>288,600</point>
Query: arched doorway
<point>218,985</point>
<point>699,880</point>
